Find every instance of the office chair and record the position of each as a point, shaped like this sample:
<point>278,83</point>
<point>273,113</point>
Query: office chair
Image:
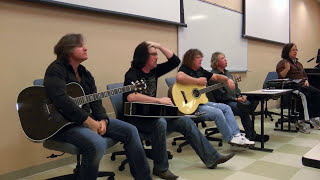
<point>267,113</point>
<point>117,104</point>
<point>285,101</point>
<point>65,147</point>
<point>208,132</point>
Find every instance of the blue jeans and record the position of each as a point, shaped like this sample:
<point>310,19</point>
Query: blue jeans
<point>92,146</point>
<point>245,119</point>
<point>223,116</point>
<point>158,127</point>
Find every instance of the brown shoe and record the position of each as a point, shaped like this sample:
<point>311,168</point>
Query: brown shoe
<point>168,175</point>
<point>222,159</point>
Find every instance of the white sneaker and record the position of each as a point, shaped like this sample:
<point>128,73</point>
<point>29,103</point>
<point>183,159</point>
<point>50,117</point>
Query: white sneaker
<point>247,141</point>
<point>315,122</point>
<point>241,141</point>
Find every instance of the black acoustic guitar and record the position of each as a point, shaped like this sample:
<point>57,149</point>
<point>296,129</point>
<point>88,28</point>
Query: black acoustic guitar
<point>38,116</point>
<point>153,110</point>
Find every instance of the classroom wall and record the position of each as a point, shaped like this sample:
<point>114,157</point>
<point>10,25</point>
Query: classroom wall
<point>29,31</point>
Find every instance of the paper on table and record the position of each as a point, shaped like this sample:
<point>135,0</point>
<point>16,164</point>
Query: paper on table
<point>274,90</point>
<point>296,80</point>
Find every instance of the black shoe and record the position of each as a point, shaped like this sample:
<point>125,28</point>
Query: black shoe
<point>168,175</point>
<point>258,138</point>
<point>222,159</point>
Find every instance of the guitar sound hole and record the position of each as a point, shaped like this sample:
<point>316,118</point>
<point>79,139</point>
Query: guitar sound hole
<point>196,93</point>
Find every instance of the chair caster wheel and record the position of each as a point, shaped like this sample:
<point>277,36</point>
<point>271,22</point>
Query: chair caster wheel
<point>111,178</point>
<point>121,168</point>
<point>174,143</point>
<point>113,158</point>
<point>179,150</point>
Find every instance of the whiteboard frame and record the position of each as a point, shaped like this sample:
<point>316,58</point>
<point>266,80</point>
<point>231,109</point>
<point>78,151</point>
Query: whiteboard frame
<point>241,58</point>
<point>116,13</point>
<point>259,38</point>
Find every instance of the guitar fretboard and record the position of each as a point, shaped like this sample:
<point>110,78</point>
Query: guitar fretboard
<point>96,96</point>
<point>211,88</point>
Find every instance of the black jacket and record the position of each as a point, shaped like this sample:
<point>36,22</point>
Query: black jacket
<point>58,74</point>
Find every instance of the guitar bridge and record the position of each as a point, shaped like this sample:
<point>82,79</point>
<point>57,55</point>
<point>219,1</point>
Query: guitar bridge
<point>184,96</point>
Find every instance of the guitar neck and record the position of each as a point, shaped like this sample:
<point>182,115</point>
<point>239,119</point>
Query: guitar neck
<point>97,96</point>
<point>211,88</point>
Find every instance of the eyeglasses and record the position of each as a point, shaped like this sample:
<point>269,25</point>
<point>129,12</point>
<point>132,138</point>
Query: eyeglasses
<point>153,54</point>
<point>294,50</point>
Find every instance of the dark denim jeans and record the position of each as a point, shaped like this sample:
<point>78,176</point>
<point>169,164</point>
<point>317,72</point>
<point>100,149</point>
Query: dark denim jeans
<point>245,119</point>
<point>158,128</point>
<point>92,146</point>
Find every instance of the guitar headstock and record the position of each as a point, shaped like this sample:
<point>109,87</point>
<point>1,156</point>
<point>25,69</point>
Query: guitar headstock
<point>139,85</point>
<point>237,78</point>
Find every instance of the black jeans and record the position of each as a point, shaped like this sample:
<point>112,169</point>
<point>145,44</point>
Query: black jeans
<point>245,119</point>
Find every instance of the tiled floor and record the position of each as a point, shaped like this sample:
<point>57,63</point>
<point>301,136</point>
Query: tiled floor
<point>283,163</point>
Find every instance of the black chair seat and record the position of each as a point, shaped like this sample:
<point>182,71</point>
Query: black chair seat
<point>67,147</point>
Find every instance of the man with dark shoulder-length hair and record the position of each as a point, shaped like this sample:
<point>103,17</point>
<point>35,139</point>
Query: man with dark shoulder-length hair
<point>91,124</point>
<point>144,66</point>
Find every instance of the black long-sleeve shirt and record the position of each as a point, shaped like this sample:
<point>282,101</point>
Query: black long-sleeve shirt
<point>57,76</point>
<point>151,78</point>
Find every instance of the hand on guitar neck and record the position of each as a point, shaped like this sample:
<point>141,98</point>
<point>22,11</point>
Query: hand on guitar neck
<point>241,99</point>
<point>237,78</point>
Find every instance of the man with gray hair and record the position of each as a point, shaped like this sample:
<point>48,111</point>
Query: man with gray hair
<point>240,105</point>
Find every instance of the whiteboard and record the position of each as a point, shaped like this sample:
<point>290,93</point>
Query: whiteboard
<point>211,28</point>
<point>268,20</point>
<point>166,10</point>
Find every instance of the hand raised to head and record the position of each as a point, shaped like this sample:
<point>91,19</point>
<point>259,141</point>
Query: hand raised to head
<point>153,44</point>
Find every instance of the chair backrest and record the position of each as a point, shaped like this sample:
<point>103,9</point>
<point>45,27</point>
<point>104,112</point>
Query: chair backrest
<point>38,82</point>
<point>170,81</point>
<point>270,76</point>
<point>116,100</point>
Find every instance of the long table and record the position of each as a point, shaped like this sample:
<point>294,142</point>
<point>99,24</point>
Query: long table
<point>262,94</point>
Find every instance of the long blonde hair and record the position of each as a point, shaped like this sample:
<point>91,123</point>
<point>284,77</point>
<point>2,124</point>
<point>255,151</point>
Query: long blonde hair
<point>214,59</point>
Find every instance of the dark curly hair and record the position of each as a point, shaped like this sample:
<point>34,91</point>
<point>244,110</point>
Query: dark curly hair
<point>189,56</point>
